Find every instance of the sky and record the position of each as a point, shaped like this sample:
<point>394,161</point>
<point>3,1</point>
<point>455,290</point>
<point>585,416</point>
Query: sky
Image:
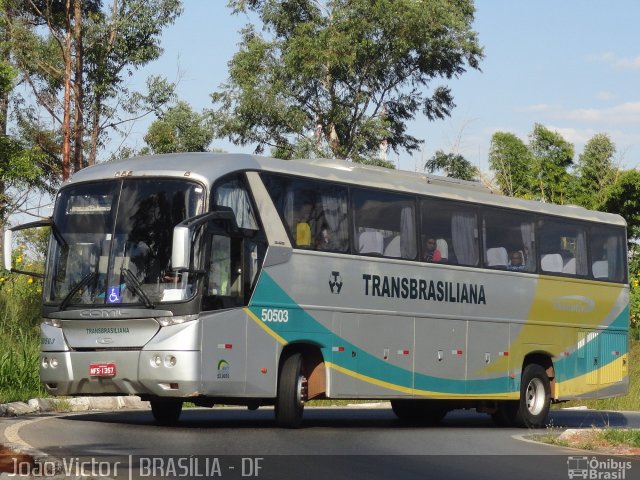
<point>571,65</point>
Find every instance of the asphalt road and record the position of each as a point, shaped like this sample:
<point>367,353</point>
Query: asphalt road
<point>335,443</point>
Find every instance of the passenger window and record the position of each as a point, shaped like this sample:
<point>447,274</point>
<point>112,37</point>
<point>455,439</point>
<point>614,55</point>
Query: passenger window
<point>384,224</point>
<point>314,213</point>
<point>509,241</point>
<point>563,248</point>
<point>607,254</point>
<point>449,233</point>
<point>234,195</point>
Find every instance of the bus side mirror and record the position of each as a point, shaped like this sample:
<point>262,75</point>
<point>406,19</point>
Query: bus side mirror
<point>8,238</point>
<point>183,232</point>
<point>181,250</point>
<point>8,245</point>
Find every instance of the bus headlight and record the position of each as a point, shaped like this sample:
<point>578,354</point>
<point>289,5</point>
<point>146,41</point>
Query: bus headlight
<point>170,361</point>
<point>53,322</point>
<point>168,321</point>
<point>156,361</point>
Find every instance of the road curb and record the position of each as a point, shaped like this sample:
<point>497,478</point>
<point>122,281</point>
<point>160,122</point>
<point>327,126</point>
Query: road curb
<point>77,404</point>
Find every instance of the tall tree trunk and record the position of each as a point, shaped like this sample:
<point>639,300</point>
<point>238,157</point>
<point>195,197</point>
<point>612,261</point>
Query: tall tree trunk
<point>96,107</point>
<point>78,88</point>
<point>66,106</point>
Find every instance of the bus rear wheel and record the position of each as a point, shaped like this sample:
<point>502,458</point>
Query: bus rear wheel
<point>166,411</point>
<point>428,412</point>
<point>292,393</point>
<point>532,409</point>
<point>535,397</point>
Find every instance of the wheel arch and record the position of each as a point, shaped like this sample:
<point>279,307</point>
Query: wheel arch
<point>313,366</point>
<point>545,360</point>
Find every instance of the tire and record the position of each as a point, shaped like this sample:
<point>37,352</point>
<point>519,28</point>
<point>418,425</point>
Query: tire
<point>425,412</point>
<point>166,411</point>
<point>535,397</point>
<point>292,393</point>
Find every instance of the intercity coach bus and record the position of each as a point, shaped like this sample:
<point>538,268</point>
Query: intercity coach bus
<point>240,279</point>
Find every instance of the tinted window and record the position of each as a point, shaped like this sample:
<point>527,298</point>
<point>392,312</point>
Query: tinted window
<point>607,254</point>
<point>454,229</point>
<point>384,224</point>
<point>315,213</point>
<point>509,241</point>
<point>563,247</point>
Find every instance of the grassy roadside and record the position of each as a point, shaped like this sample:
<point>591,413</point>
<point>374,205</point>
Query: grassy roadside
<point>618,441</point>
<point>19,338</point>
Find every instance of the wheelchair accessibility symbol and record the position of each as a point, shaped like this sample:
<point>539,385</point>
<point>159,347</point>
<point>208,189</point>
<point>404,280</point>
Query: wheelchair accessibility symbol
<point>114,295</point>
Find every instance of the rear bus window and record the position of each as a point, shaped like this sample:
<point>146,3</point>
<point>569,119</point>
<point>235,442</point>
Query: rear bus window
<point>607,254</point>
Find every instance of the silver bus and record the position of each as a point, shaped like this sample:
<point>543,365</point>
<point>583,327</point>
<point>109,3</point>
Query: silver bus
<point>240,279</point>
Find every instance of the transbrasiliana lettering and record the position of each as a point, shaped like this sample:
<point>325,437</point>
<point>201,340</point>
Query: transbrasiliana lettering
<point>422,289</point>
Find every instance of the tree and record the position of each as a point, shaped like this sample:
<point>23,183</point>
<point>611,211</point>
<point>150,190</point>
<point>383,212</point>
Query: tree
<point>623,198</point>
<point>511,161</point>
<point>123,39</point>
<point>595,171</point>
<point>552,156</point>
<point>180,129</point>
<point>343,76</point>
<point>72,54</point>
<point>453,164</point>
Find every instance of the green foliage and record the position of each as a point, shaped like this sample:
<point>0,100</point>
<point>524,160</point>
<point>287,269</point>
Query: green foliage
<point>180,129</point>
<point>623,198</point>
<point>453,164</point>
<point>343,76</point>
<point>20,304</point>
<point>7,76</point>
<point>512,163</point>
<point>595,171</point>
<point>552,156</point>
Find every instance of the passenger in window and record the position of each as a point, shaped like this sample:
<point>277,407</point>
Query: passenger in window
<point>431,252</point>
<point>323,241</point>
<point>516,262</point>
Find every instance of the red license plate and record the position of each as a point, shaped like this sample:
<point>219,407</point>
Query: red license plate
<point>102,370</point>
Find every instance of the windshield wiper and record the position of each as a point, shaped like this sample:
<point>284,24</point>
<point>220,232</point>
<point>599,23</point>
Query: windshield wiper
<point>84,281</point>
<point>136,286</point>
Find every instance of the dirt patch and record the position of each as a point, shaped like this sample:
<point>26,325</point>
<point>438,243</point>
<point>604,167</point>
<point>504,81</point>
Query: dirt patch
<point>9,457</point>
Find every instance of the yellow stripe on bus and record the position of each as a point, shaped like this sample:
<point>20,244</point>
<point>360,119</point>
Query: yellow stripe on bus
<point>277,337</point>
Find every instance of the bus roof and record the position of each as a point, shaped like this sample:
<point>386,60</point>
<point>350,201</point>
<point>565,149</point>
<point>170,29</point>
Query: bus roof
<point>207,167</point>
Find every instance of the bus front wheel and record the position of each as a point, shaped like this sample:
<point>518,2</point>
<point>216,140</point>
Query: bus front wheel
<point>166,411</point>
<point>292,393</point>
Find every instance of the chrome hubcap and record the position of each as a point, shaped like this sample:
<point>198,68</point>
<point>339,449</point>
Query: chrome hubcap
<point>302,393</point>
<point>535,396</point>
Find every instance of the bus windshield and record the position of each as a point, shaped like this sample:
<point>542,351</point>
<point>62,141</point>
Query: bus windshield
<point>112,242</point>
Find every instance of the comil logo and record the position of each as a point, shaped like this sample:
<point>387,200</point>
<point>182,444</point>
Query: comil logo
<point>335,282</point>
<point>597,468</point>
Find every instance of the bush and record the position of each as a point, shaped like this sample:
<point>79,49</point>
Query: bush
<point>20,311</point>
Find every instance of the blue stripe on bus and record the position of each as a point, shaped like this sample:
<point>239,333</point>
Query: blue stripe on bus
<point>303,327</point>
